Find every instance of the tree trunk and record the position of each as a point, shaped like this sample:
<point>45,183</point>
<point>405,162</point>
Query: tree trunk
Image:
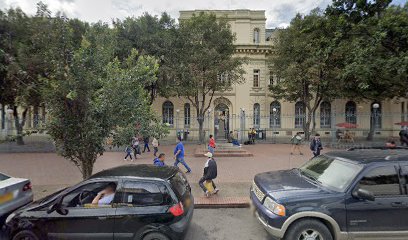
<point>306,126</point>
<point>3,116</point>
<point>201,133</point>
<point>313,122</point>
<point>20,125</point>
<point>87,167</point>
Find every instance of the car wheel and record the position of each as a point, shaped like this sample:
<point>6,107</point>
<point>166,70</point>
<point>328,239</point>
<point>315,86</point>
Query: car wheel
<point>25,235</point>
<point>155,236</point>
<point>308,229</point>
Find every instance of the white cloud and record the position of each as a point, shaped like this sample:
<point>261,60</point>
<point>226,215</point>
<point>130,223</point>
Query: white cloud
<point>278,13</point>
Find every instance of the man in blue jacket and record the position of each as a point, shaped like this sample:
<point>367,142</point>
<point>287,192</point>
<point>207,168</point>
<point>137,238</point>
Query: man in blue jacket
<point>159,161</point>
<point>179,155</point>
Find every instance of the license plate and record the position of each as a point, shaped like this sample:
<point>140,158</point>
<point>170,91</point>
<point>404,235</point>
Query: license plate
<point>6,197</point>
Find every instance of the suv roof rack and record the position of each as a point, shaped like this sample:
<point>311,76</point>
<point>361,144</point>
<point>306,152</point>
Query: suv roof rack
<point>379,148</point>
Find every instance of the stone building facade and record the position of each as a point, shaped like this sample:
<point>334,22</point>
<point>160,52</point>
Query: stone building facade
<point>251,105</point>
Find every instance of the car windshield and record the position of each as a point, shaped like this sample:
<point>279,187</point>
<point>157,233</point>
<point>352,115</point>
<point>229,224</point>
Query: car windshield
<point>3,177</point>
<point>330,172</point>
<point>44,199</point>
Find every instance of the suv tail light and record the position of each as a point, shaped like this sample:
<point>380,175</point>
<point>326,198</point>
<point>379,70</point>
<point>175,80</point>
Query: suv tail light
<point>27,187</point>
<point>177,210</point>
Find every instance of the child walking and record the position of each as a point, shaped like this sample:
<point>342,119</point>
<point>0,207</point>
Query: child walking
<point>128,151</point>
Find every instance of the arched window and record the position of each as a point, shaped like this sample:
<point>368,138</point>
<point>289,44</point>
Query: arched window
<point>256,36</point>
<point>376,115</point>
<point>351,112</point>
<point>325,115</point>
<point>187,116</point>
<point>275,115</point>
<point>299,114</point>
<point>168,112</point>
<point>257,115</point>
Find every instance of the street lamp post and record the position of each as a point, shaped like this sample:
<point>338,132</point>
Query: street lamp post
<point>274,110</point>
<point>376,106</point>
<point>177,118</point>
<point>242,124</point>
<point>208,120</point>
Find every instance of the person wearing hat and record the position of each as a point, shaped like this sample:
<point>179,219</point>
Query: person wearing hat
<point>210,173</point>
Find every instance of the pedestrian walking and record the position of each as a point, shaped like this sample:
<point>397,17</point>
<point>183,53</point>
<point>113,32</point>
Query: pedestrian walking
<point>316,145</point>
<point>296,141</point>
<point>128,151</point>
<point>211,144</point>
<point>403,134</point>
<point>159,161</point>
<point>135,146</point>
<point>210,173</point>
<point>179,155</point>
<point>146,144</point>
<point>155,144</point>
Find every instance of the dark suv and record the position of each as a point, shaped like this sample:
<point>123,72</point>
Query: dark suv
<point>149,203</point>
<point>355,194</point>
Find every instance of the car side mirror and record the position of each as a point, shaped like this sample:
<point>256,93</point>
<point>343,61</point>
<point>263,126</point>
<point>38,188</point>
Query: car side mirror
<point>363,194</point>
<point>58,208</point>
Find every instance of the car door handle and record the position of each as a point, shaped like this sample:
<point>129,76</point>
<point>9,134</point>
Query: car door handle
<point>398,204</point>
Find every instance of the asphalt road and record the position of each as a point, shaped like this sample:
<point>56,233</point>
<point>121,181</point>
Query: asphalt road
<point>222,224</point>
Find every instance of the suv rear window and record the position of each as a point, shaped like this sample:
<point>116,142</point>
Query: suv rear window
<point>179,184</point>
<point>3,177</point>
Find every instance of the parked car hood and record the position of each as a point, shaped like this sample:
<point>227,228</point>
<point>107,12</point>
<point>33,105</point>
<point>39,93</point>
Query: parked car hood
<point>288,184</point>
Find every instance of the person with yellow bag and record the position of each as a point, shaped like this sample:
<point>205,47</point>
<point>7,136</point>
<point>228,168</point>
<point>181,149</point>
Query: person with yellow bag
<point>210,173</point>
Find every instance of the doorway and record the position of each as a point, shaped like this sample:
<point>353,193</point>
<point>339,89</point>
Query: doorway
<point>221,121</point>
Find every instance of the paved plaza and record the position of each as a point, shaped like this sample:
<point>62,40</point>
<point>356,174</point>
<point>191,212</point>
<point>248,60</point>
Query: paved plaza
<point>49,172</point>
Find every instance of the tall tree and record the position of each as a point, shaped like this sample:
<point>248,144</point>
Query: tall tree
<point>204,62</point>
<point>94,95</point>
<point>15,87</point>
<point>375,49</point>
<point>153,36</point>
<point>306,59</point>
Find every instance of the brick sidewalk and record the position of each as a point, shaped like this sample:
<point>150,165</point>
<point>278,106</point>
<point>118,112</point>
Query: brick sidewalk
<point>49,171</point>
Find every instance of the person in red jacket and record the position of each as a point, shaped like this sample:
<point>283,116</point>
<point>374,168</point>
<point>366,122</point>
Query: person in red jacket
<point>211,145</point>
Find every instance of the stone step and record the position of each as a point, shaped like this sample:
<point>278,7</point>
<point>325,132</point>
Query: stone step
<point>238,152</point>
<point>221,202</point>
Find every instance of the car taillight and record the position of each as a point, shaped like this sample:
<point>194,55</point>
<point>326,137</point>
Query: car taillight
<point>27,187</point>
<point>177,210</point>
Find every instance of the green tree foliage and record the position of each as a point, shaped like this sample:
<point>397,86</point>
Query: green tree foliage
<point>95,96</point>
<point>204,50</point>
<point>28,44</point>
<point>306,59</point>
<point>375,49</point>
<point>153,36</point>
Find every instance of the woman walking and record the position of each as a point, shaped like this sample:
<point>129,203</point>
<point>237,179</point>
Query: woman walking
<point>211,144</point>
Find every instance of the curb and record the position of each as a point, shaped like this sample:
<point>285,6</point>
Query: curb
<point>221,202</point>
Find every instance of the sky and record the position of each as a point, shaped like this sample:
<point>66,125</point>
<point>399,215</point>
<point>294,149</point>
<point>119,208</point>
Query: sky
<point>278,12</point>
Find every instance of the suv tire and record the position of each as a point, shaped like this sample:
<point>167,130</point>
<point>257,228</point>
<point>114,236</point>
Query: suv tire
<point>155,236</point>
<point>308,229</point>
<point>26,235</point>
